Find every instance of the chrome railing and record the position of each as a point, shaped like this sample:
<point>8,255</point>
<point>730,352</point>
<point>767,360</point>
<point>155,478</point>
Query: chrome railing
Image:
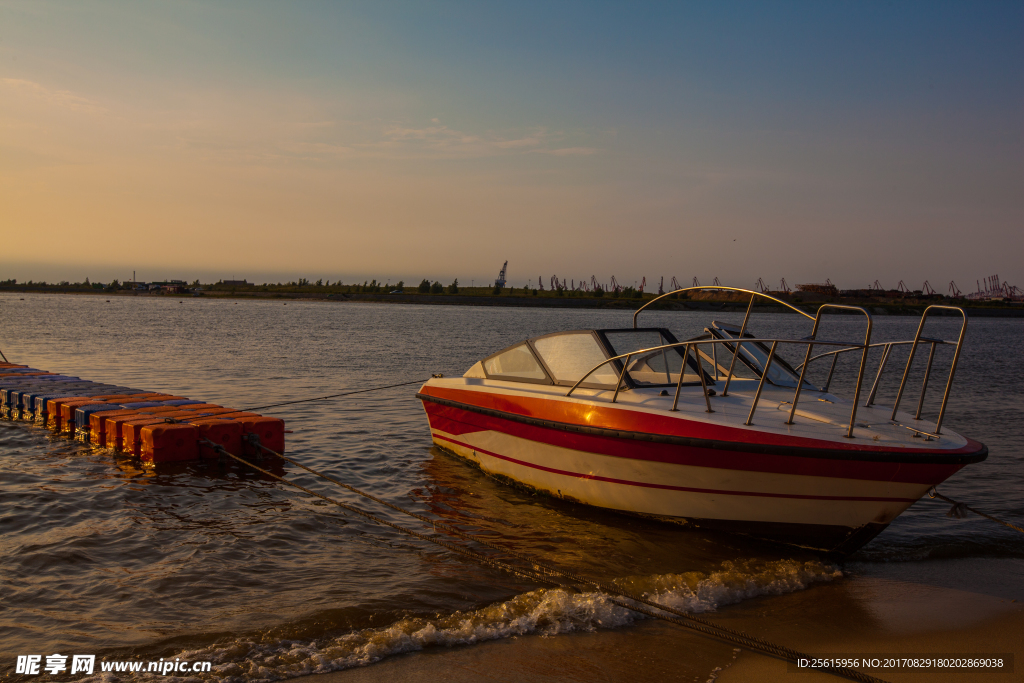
<point>743,327</point>
<point>720,288</point>
<point>860,373</point>
<point>931,355</point>
<point>810,342</point>
<point>625,357</point>
<point>886,349</point>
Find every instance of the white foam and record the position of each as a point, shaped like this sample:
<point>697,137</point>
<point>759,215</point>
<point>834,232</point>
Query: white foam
<point>735,581</point>
<point>541,612</point>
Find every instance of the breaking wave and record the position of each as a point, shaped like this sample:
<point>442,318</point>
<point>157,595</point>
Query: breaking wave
<point>541,612</point>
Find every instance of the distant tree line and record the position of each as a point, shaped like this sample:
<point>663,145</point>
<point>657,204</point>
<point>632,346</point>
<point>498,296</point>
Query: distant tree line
<point>326,286</point>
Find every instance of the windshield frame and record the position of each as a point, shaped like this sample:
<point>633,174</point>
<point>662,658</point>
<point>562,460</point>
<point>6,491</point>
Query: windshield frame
<point>509,378</point>
<point>716,330</point>
<point>668,338</point>
<point>615,365</point>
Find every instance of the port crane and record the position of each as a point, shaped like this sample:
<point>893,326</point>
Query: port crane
<point>500,282</point>
<point>954,291</point>
<point>761,286</point>
<point>783,287</point>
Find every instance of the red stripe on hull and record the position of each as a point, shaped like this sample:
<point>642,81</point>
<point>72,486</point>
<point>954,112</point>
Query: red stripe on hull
<point>590,415</point>
<point>456,421</point>
<point>626,482</point>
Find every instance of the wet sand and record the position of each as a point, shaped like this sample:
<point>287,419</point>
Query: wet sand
<point>951,608</point>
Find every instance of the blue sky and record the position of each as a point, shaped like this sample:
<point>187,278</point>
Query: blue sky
<point>806,140</point>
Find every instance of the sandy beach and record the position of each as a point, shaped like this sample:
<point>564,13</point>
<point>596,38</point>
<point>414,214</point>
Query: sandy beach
<point>962,607</point>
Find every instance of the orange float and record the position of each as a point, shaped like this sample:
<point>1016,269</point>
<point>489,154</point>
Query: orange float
<point>169,442</point>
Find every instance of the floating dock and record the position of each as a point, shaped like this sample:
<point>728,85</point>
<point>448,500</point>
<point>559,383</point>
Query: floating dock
<point>153,426</point>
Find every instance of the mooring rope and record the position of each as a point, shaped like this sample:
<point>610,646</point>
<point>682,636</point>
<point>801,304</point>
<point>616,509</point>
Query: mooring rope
<point>957,510</point>
<point>542,573</point>
<point>347,393</point>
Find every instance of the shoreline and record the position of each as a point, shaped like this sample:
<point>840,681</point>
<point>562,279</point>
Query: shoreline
<point>545,300</point>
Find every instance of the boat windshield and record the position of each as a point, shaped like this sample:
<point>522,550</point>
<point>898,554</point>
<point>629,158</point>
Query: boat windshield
<point>571,355</point>
<point>657,367</point>
<point>755,356</point>
<point>516,363</point>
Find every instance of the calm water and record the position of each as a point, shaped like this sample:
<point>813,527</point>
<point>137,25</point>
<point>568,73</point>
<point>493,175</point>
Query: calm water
<point>98,555</point>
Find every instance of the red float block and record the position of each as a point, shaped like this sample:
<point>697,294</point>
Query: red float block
<point>226,433</point>
<point>114,428</point>
<point>269,429</point>
<point>98,424</point>
<point>170,442</point>
<point>131,430</point>
<point>131,433</point>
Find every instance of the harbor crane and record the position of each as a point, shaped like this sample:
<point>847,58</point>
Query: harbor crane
<point>954,291</point>
<point>783,287</point>
<point>661,286</point>
<point>643,283</point>
<point>500,282</point>
<point>675,284</point>
<point>927,289</point>
<point>761,286</point>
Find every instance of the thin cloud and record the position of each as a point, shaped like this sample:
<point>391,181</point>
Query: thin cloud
<point>64,99</point>
<point>569,151</point>
<point>449,141</point>
<point>531,141</point>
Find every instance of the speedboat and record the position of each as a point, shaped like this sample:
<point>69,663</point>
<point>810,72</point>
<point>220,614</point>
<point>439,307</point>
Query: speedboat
<point>717,432</point>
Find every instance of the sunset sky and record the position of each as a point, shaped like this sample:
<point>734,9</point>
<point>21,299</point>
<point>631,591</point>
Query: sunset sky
<point>390,140</point>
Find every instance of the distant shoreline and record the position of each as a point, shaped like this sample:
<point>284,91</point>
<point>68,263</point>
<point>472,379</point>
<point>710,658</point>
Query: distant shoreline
<point>547,299</point>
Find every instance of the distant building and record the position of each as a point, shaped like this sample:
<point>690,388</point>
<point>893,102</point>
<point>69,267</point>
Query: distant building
<point>174,286</point>
<point>235,283</point>
<point>828,289</point>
